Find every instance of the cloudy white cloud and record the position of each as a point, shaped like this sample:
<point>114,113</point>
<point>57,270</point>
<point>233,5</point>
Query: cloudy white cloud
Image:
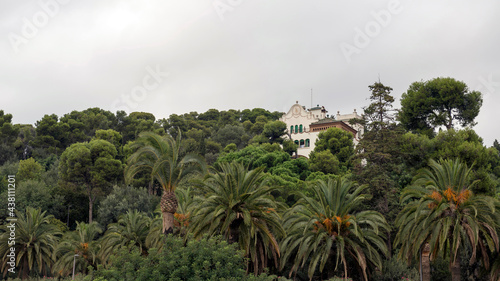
<point>253,54</point>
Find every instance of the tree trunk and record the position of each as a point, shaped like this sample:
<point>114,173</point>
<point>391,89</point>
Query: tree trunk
<point>168,222</point>
<point>455,268</point>
<point>449,125</point>
<point>91,204</point>
<point>426,263</point>
<point>168,209</point>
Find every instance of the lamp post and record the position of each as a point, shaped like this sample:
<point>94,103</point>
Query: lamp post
<point>74,262</point>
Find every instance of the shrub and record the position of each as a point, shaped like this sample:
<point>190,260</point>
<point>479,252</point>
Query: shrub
<point>204,259</point>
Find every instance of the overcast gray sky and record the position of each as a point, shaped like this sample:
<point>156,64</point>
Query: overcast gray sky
<point>168,57</point>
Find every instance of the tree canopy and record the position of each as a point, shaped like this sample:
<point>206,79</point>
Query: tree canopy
<point>428,105</point>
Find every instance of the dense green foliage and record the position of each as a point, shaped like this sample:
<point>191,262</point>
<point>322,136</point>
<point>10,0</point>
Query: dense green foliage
<point>327,227</point>
<point>438,102</point>
<point>204,259</point>
<point>444,213</point>
<point>237,204</point>
<point>360,211</point>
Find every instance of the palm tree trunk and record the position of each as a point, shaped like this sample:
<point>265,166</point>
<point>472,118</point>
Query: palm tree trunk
<point>455,268</point>
<point>234,230</point>
<point>168,208</point>
<point>168,222</point>
<point>426,263</point>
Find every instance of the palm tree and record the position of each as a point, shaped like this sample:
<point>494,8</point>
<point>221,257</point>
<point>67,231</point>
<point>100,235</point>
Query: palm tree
<point>444,213</point>
<point>81,242</point>
<point>186,200</point>
<point>162,157</point>
<point>131,229</point>
<point>238,204</point>
<point>35,241</point>
<point>326,227</point>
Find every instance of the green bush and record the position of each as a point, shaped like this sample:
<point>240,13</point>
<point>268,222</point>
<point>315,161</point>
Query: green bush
<point>205,259</point>
<point>396,270</point>
<point>123,199</point>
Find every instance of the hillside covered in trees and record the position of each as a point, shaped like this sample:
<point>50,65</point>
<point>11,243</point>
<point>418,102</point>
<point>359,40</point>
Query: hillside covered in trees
<point>221,195</point>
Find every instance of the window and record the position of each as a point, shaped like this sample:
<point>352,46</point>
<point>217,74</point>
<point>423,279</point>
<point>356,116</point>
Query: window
<point>300,128</point>
<point>301,143</point>
<point>307,143</point>
<point>291,129</point>
<point>296,128</point>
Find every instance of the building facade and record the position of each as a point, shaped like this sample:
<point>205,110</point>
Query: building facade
<point>304,125</point>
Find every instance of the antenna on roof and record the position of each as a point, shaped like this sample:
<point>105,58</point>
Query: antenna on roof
<point>311,98</point>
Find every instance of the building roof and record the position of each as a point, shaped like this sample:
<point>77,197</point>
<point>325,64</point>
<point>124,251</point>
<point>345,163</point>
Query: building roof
<point>325,121</point>
<point>315,108</point>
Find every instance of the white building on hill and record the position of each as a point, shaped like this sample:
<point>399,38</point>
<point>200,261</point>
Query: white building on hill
<point>304,125</point>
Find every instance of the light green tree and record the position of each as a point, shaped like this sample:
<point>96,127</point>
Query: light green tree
<point>29,169</point>
<point>82,242</point>
<point>238,204</point>
<point>36,240</point>
<point>327,227</point>
<point>163,158</point>
<point>338,142</point>
<point>442,211</point>
<point>131,229</point>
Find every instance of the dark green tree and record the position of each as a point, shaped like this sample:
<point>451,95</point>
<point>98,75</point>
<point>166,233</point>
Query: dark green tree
<point>237,204</point>
<point>93,167</point>
<point>290,147</point>
<point>36,240</point>
<point>442,211</point>
<point>497,146</point>
<point>378,160</point>
<point>135,123</point>
<point>210,258</point>
<point>83,242</point>
<point>379,114</point>
<point>254,156</point>
<point>252,115</point>
<point>163,158</point>
<point>49,136</point>
<point>132,228</point>
<point>327,227</point>
<point>274,131</point>
<point>438,102</point>
<point>124,199</point>
<point>8,135</point>
<point>111,136</point>
<point>338,142</point>
<point>23,143</point>
<point>464,144</point>
<point>324,161</point>
<point>231,134</point>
